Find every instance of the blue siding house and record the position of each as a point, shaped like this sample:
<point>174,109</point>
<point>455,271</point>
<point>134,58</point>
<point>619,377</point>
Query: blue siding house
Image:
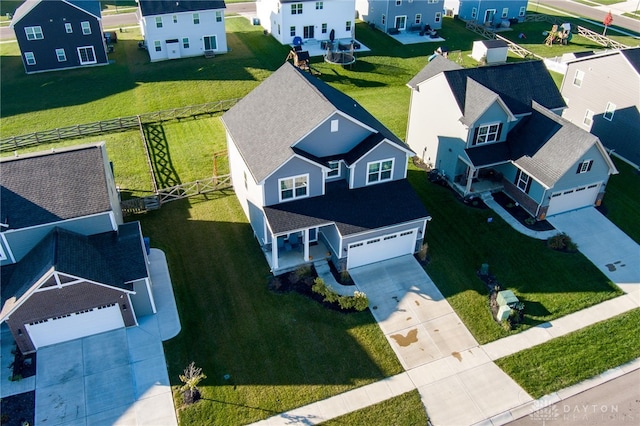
<point>59,34</point>
<point>401,15</point>
<point>487,12</point>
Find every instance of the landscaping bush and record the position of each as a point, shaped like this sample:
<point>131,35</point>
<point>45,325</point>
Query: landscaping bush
<point>358,301</point>
<point>562,242</point>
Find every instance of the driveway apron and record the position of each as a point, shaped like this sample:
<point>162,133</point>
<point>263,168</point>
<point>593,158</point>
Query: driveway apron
<point>457,381</point>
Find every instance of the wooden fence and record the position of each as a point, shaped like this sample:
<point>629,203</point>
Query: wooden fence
<point>114,125</point>
<point>535,17</point>
<point>600,39</point>
<point>488,34</point>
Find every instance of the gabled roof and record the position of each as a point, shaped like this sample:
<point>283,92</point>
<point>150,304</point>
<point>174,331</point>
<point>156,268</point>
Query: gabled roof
<point>492,44</point>
<point>517,84</point>
<point>111,258</point>
<point>437,65</point>
<point>284,108</point>
<point>478,99</point>
<point>631,55</point>
<point>92,7</point>
<point>47,187</point>
<point>161,7</point>
<point>352,210</point>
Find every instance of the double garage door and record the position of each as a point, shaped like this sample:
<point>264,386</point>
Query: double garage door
<point>572,199</point>
<point>75,326</point>
<point>381,248</point>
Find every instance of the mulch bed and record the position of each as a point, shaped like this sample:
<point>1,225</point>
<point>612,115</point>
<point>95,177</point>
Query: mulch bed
<point>18,409</point>
<point>521,214</point>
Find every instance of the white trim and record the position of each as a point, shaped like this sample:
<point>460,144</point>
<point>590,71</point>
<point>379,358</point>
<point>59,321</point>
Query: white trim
<point>380,179</point>
<point>475,140</point>
<point>92,49</point>
<point>575,78</point>
<point>385,140</point>
<point>293,188</point>
<point>609,109</point>
<point>262,182</point>
<point>333,113</point>
<point>54,224</point>
<point>339,169</point>
<point>6,244</point>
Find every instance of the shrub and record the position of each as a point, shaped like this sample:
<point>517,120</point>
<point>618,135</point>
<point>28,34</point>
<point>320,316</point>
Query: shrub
<point>358,301</point>
<point>422,254</point>
<point>303,272</point>
<point>562,242</point>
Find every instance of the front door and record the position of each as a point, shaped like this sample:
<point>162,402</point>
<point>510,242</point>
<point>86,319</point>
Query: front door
<point>308,32</point>
<point>401,23</point>
<point>489,14</point>
<point>210,42</point>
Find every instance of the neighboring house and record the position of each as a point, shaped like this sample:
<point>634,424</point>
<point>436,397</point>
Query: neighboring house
<point>498,128</point>
<point>491,12</point>
<point>602,93</point>
<point>401,15</point>
<point>70,267</point>
<point>286,20</point>
<point>183,28</point>
<point>319,177</point>
<point>59,34</point>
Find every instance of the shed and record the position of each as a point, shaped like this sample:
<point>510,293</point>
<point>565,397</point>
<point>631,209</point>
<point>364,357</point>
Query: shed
<point>490,51</point>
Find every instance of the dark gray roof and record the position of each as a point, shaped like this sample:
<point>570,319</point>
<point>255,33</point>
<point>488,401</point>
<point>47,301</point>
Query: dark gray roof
<point>517,84</point>
<point>478,99</point>
<point>90,6</point>
<point>492,44</point>
<point>633,56</point>
<point>352,210</point>
<point>111,258</point>
<point>161,7</point>
<point>48,186</point>
<point>286,106</point>
<point>437,65</point>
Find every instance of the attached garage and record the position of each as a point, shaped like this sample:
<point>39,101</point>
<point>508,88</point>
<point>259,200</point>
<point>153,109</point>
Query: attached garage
<point>572,199</point>
<point>74,326</point>
<point>381,248</point>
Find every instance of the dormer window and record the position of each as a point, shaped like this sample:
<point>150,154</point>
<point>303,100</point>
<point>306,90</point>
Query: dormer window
<point>335,169</point>
<point>379,171</point>
<point>293,187</point>
<point>487,133</point>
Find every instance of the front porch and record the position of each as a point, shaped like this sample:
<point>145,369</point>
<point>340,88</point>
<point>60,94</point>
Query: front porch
<point>475,182</point>
<point>291,257</point>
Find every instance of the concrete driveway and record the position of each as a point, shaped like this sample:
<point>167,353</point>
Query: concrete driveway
<point>458,382</point>
<point>604,244</point>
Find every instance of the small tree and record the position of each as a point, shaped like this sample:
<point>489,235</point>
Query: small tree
<point>608,20</point>
<point>191,378</point>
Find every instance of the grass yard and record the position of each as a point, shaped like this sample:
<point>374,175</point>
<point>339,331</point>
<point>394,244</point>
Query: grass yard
<point>570,359</point>
<point>401,410</point>
<point>622,205</point>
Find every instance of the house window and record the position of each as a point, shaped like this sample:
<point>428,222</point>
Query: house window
<point>418,18</point>
<point>324,28</point>
<point>319,5</point>
<point>384,19</point>
<point>218,16</point>
<point>296,9</point>
<point>347,27</point>
<point>609,111</point>
<point>196,18</point>
<point>505,12</point>
<point>523,10</point>
<point>158,21</point>
<point>585,166</point>
<point>34,33</point>
<point>438,17</point>
<point>185,42</point>
<point>68,28</point>
<point>278,28</point>
<point>523,181</point>
<point>398,2</point>
<point>62,56</point>
<point>157,45</point>
<point>175,19</point>
<point>487,133</point>
<point>474,13</point>
<point>28,56</point>
<point>292,31</point>
<point>334,126</point>
<point>210,42</point>
<point>577,79</point>
<point>294,187</point>
<point>87,55</point>
<point>335,169</point>
<point>379,171</point>
<point>588,118</point>
<point>86,27</point>
<point>432,1</point>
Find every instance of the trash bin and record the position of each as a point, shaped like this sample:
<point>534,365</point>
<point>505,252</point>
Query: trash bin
<point>256,21</point>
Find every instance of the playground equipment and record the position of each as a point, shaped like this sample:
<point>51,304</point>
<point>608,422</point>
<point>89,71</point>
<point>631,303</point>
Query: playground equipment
<point>340,53</point>
<point>560,35</point>
<point>300,58</point>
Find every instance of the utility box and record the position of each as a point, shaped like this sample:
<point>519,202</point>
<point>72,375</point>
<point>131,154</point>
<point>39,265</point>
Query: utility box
<point>506,298</point>
<point>503,313</point>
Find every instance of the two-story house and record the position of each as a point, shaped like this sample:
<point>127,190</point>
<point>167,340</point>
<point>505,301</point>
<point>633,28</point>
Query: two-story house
<point>70,267</point>
<point>319,177</point>
<point>180,29</point>
<point>401,15</point>
<point>59,34</point>
<point>499,128</point>
<point>318,20</point>
<point>487,12</point>
<point>602,92</point>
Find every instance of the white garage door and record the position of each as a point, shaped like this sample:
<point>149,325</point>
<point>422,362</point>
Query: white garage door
<point>381,248</point>
<point>572,199</point>
<point>74,326</point>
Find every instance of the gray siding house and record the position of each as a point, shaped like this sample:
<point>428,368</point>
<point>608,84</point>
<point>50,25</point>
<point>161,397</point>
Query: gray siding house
<point>319,177</point>
<point>70,266</point>
<point>401,15</point>
<point>602,92</point>
<point>498,128</point>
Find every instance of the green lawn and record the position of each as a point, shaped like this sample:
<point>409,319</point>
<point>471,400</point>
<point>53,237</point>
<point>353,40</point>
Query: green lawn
<point>401,410</point>
<point>622,205</point>
<point>570,359</point>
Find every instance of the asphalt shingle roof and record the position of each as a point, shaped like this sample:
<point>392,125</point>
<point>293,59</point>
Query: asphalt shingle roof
<point>50,186</point>
<point>90,6</point>
<point>437,65</point>
<point>478,99</point>
<point>161,7</point>
<point>352,210</point>
<point>633,56</point>
<point>286,106</point>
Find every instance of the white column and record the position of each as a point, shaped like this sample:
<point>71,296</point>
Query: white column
<point>274,252</point>
<point>472,171</point>
<point>305,238</point>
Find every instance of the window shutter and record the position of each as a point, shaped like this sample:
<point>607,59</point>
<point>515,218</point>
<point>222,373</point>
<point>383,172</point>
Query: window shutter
<point>579,168</point>
<point>590,164</point>
<point>475,136</point>
<point>528,185</point>
<point>517,177</point>
<point>499,132</point>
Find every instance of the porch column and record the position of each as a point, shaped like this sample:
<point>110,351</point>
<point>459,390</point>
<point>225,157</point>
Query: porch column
<point>274,252</point>
<point>472,171</point>
<point>305,238</point>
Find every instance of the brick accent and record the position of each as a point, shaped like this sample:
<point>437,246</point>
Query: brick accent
<point>526,202</point>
